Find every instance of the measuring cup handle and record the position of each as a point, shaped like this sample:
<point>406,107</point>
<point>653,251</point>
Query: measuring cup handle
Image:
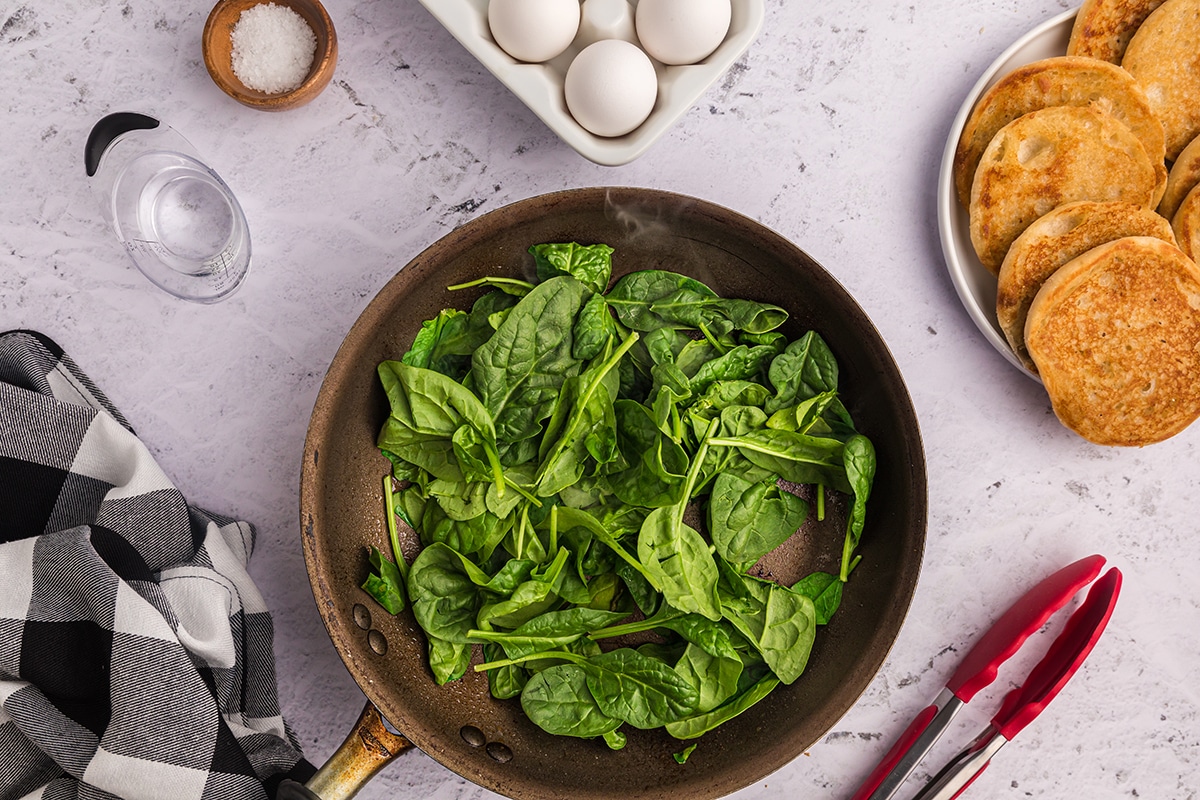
<point>109,128</point>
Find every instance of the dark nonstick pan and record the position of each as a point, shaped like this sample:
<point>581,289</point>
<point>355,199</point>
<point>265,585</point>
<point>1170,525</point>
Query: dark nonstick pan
<point>489,741</point>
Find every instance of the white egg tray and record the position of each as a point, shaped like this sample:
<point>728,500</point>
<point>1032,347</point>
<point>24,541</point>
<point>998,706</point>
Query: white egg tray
<point>540,86</point>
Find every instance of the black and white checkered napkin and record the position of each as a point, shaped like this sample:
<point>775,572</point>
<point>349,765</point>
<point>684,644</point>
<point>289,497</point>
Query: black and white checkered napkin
<point>135,651</point>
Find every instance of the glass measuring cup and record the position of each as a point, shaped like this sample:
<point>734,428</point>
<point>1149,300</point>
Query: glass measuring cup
<point>178,220</point>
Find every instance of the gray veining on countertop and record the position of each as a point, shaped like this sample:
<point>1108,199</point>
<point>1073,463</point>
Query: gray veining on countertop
<point>830,130</point>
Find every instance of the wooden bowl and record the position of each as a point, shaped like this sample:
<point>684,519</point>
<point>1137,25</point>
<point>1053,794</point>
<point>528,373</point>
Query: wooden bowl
<point>217,45</point>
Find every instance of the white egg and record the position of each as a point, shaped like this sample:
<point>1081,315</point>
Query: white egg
<point>611,87</point>
<point>682,31</point>
<point>533,30</point>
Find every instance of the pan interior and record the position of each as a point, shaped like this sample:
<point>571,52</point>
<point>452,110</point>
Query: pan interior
<point>490,742</point>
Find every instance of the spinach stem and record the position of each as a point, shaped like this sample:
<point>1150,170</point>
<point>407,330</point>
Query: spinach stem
<point>497,471</point>
<point>389,505</point>
<point>820,501</point>
<point>565,655</point>
<point>521,490</point>
<point>665,615</point>
<point>623,554</point>
<point>553,528</point>
<point>569,433</point>
<point>497,281</point>
<point>847,552</point>
<point>694,470</point>
<point>709,338</point>
<point>521,524</point>
<point>750,445</point>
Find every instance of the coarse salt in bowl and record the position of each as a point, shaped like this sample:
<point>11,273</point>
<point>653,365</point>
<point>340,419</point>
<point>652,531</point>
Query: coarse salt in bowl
<point>270,54</point>
<point>273,48</point>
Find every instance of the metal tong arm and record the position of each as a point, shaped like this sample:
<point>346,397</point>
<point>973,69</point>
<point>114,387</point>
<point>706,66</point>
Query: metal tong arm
<point>964,768</point>
<point>917,740</point>
<point>1020,706</point>
<point>977,670</point>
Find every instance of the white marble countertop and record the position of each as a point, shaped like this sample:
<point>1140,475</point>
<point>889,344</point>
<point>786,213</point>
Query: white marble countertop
<point>829,130</point>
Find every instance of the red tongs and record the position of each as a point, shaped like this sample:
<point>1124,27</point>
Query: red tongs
<point>978,669</point>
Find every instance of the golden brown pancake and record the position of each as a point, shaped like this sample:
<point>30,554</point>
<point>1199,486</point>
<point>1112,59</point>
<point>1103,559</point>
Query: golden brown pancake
<point>1164,57</point>
<point>1185,173</point>
<point>1186,224</point>
<point>1047,158</point>
<point>1060,81</point>
<point>1103,28</point>
<point>1115,334</point>
<point>1050,242</point>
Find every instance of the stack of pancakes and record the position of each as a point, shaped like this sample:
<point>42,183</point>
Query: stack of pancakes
<point>1081,175</point>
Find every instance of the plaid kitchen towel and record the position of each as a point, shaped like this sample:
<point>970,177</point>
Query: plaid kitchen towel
<point>135,652</point>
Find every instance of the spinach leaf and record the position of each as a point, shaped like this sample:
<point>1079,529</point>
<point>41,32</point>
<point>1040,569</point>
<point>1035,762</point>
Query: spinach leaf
<point>559,701</point>
<point>748,520</point>
<point>795,457</point>
<point>384,583</point>
<point>426,350</point>
<point>594,328</point>
<point>683,755</point>
<point>806,368</point>
<point>572,517</point>
<point>632,296</point>
<point>477,536</point>
<point>723,394</point>
<point>657,464</point>
<point>780,623</point>
<point>824,590</point>
<point>427,409</point>
<point>677,557</point>
<point>715,677</point>
<point>859,459</point>
<point>444,589</point>
<point>520,370</point>
<point>640,690</point>
<point>739,364</point>
<point>504,682</point>
<point>448,660</point>
<point>591,265</point>
<point>705,311</point>
<point>582,425</point>
<point>531,598</point>
<point>805,416</point>
<point>460,500</point>
<point>698,725</point>
<point>645,596</point>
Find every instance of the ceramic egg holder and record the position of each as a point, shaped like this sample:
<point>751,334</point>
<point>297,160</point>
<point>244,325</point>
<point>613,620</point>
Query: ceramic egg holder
<point>540,86</point>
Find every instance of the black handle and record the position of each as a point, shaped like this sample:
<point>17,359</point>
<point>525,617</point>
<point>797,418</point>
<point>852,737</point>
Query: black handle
<point>290,790</point>
<point>109,128</point>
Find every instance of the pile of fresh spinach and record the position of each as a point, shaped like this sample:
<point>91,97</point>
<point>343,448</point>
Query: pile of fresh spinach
<point>547,446</point>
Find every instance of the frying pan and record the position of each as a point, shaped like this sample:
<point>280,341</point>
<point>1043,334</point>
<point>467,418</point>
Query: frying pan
<point>488,741</point>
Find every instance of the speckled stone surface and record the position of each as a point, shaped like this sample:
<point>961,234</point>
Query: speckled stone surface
<point>829,130</point>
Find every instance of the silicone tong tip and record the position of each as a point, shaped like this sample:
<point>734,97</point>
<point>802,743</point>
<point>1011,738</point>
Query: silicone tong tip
<point>1026,616</point>
<point>1063,659</point>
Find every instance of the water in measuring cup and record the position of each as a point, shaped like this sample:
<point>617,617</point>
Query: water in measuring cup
<point>188,214</point>
<point>182,226</point>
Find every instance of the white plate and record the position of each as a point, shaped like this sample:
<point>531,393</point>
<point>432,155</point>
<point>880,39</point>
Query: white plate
<point>540,86</point>
<point>975,285</point>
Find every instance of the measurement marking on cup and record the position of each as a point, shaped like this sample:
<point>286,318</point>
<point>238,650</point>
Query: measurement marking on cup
<point>145,246</point>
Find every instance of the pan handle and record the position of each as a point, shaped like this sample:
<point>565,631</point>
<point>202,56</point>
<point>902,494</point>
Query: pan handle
<point>369,748</point>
